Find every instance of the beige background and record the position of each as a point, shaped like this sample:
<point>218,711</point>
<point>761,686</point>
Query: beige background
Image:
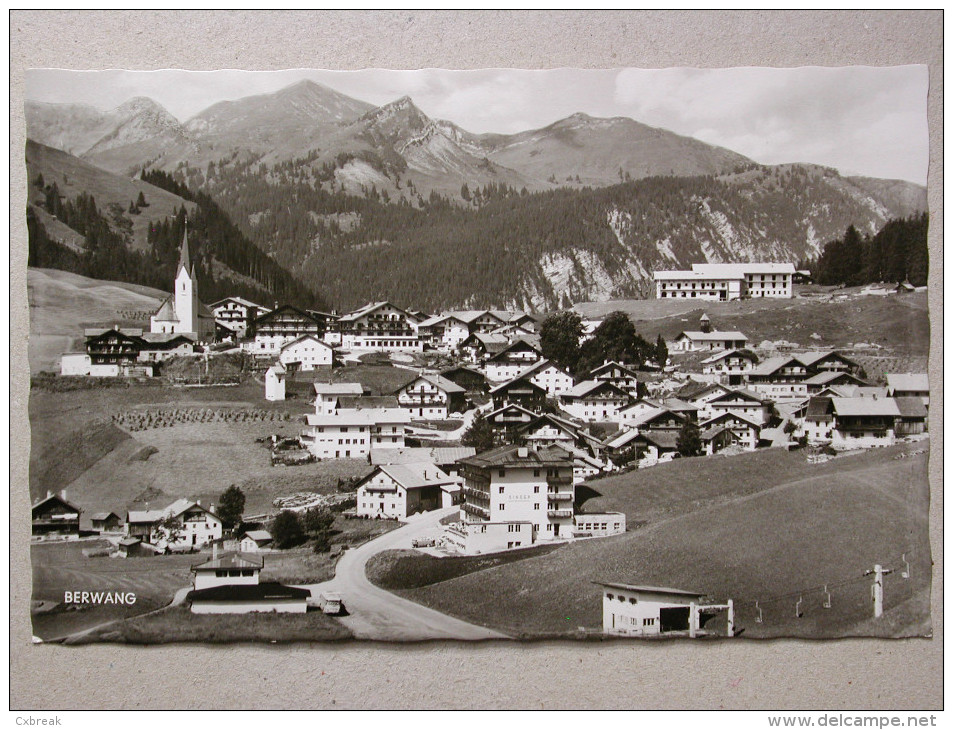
<point>859,674</point>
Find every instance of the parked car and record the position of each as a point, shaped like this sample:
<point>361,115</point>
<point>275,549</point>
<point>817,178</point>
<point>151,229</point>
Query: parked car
<point>330,603</point>
<point>424,542</point>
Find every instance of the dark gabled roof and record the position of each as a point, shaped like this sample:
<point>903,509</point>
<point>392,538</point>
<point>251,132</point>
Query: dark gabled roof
<point>259,592</point>
<point>611,364</point>
<point>518,343</point>
<point>523,377</point>
<point>911,407</point>
<point>511,456</point>
<point>662,439</point>
<point>818,407</point>
<point>285,308</point>
<point>728,416</point>
<point>100,516</point>
<point>560,423</point>
<point>56,498</point>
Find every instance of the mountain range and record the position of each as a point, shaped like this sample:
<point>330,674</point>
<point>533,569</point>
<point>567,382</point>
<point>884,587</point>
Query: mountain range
<point>328,185</point>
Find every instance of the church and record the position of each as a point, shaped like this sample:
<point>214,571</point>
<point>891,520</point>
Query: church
<point>183,311</point>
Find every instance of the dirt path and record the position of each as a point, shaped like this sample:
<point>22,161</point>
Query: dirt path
<point>381,615</point>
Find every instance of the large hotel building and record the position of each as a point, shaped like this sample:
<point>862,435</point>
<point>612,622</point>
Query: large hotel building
<point>725,282</point>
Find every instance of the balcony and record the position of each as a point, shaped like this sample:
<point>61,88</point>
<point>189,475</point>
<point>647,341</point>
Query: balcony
<point>481,494</point>
<point>476,511</point>
<point>560,496</point>
<point>559,512</point>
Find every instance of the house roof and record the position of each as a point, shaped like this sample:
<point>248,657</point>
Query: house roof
<point>911,407</point>
<point>623,438</point>
<point>251,592</point>
<point>338,389</point>
<point>232,561</point>
<point>818,407</point>
<point>239,300</point>
<point>164,338</point>
<point>371,307</point>
<point>302,338</point>
<point>103,516</point>
<point>502,387</point>
<point>587,387</point>
<point>865,406</point>
<point>773,364</point>
<point>826,376</point>
<point>414,475</point>
<point>729,416</point>
<point>709,433</point>
<point>713,336</point>
<point>56,498</point>
<point>723,270</point>
<point>130,332</point>
<point>166,311</point>
<point>746,394</point>
<point>259,536</point>
<point>410,455</point>
<point>509,406</point>
<point>649,416</point>
<point>677,405</point>
<point>545,365</point>
<point>439,381</point>
<point>512,455</point>
<point>175,509</point>
<point>908,381</point>
<point>609,365</point>
<point>359,417</point>
<point>650,589</point>
<point>561,423</point>
<point>518,343</point>
<point>747,354</point>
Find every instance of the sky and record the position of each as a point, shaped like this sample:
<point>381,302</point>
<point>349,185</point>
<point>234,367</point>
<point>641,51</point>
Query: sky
<point>860,120</point>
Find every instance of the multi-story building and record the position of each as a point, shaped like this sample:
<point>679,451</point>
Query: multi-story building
<point>379,326</point>
<point>909,385</point>
<point>514,359</point>
<point>520,485</point>
<point>351,433</point>
<point>594,400</point>
<point>195,526</point>
<point>431,396</point>
<point>275,329</point>
<point>305,353</point>
<point>401,490</point>
<point>236,314</point>
<point>726,282</point>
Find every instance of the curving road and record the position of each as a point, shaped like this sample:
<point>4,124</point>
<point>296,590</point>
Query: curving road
<point>381,615</point>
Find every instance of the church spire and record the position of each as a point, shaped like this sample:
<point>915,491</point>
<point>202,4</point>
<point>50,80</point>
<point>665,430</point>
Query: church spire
<point>184,258</point>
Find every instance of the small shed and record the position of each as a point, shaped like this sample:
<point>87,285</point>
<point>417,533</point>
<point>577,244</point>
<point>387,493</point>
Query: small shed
<point>275,379</point>
<point>255,541</point>
<point>132,547</point>
<point>106,522</point>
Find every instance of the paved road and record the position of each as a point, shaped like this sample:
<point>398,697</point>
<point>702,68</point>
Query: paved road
<point>382,615</point>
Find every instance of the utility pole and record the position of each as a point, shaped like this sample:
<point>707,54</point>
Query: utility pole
<point>877,589</point>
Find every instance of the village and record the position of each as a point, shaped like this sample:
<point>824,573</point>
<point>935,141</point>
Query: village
<point>487,447</point>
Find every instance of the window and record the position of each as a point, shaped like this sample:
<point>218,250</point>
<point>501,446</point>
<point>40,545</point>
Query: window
<point>536,506</point>
<point>536,474</point>
<point>501,490</point>
<point>536,489</point>
<point>502,507</point>
<point>502,472</point>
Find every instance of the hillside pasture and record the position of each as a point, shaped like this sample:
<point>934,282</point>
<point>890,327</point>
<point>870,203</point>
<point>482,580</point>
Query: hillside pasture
<point>63,304</point>
<point>897,323</point>
<point>772,545</point>
<point>377,379</point>
<point>61,567</point>
<point>74,176</point>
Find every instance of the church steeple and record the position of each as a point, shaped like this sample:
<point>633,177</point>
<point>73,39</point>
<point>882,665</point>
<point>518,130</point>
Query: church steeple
<point>184,258</point>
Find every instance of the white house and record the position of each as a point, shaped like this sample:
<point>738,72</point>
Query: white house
<point>599,524</point>
<point>519,485</point>
<point>197,525</point>
<point>730,366</point>
<point>236,314</point>
<point>76,363</point>
<point>512,360</point>
<point>909,385</point>
<point>255,541</point>
<point>431,397</point>
<point>229,569</point>
<point>618,374</point>
<point>696,341</point>
<point>401,490</point>
<point>594,400</point>
<point>306,352</point>
<point>351,433</point>
<point>327,395</point>
<point>275,378</point>
<point>744,403</point>
<point>550,377</point>
<point>745,432</point>
<point>629,610</point>
<point>379,326</point>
